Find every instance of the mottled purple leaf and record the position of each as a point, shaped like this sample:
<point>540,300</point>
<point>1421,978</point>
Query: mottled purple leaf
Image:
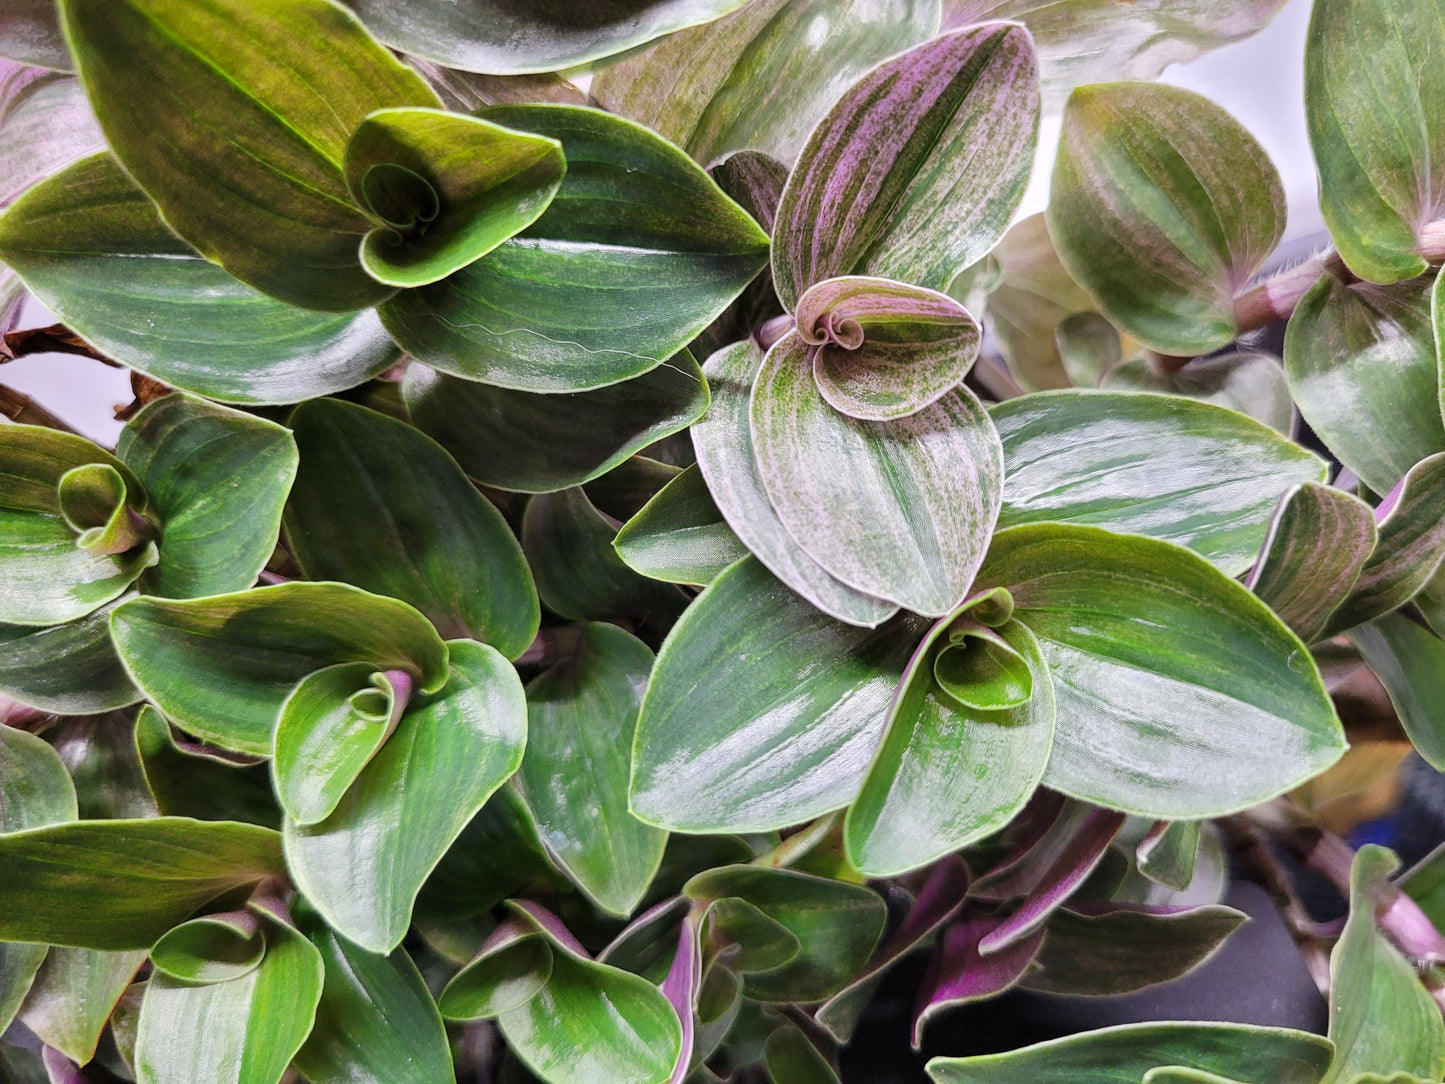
<point>1410,550</point>
<point>725,455</point>
<point>902,510</point>
<point>45,124</point>
<point>681,987</point>
<point>1318,543</point>
<point>882,349</point>
<point>937,901</point>
<point>918,169</point>
<point>959,971</point>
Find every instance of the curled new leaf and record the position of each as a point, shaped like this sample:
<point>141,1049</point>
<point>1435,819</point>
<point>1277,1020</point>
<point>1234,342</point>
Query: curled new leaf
<point>214,948</point>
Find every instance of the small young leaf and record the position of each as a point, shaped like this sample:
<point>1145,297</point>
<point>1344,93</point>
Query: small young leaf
<point>706,756</point>
<point>639,251</point>
<point>510,968</point>
<point>1162,206</point>
<point>901,510</point>
<point>581,717</point>
<point>480,184</point>
<point>1168,853</point>
<point>791,1056</point>
<point>379,505</point>
<point>215,948</point>
<point>363,866</point>
<point>234,117</point>
<point>221,667</point>
<point>679,535</point>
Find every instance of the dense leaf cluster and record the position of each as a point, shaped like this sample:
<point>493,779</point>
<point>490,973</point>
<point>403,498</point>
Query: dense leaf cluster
<point>589,583</point>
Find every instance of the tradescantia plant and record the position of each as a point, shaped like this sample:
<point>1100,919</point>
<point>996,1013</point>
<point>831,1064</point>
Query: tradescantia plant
<point>591,582</point>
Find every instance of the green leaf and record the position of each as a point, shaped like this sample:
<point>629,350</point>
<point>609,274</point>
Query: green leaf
<point>234,117</point>
<point>1149,721</point>
<point>1362,368</point>
<point>679,535</point>
<point>883,349</point>
<point>501,38</point>
<point>466,186</point>
<point>363,866</point>
<point>1162,206</point>
<point>762,77</point>
<point>837,926</point>
<point>1250,383</point>
<point>99,752</point>
<point>1367,59</point>
<point>947,774</point>
<point>376,1023</point>
<point>218,479</point>
<point>1410,550</point>
<point>1125,1053</point>
<point>1084,41</point>
<point>69,669</point>
<point>1318,543</point>
<point>379,505</point>
<point>756,941</point>
<point>332,724</point>
<point>791,1057</point>
<point>916,171</point>
<point>1120,951</point>
<point>581,717</point>
<point>120,884</point>
<point>568,543</point>
<point>1381,1018</point>
<point>762,712</point>
<point>509,970</point>
<point>221,667</point>
<point>1410,662</point>
<point>509,439</point>
<point>1167,855</point>
<point>73,996</point>
<point>1156,465</point>
<point>93,248</point>
<point>214,948</point>
<point>727,458</point>
<point>902,509</point>
<point>591,1022</point>
<point>49,577</point>
<point>1088,347</point>
<point>242,1031</point>
<point>192,784</point>
<point>30,32</point>
<point>639,251</point>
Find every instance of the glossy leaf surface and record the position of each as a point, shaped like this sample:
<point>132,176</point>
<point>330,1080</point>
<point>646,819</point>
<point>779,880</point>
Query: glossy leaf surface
<point>1162,206</point>
<point>959,973</point>
<point>188,783</point>
<point>69,669</point>
<point>1129,1051</point>
<point>1410,662</point>
<point>1250,383</point>
<point>916,171</point>
<point>217,479</point>
<point>1318,543</point>
<point>511,966</point>
<point>73,996</point>
<point>1378,183</point>
<point>581,717</point>
<point>140,877</point>
<point>363,866</point>
<point>287,81</point>
<point>762,77</point>
<point>679,535</point>
<point>213,948</point>
<point>946,775</point>
<point>901,510</point>
<point>93,248</point>
<point>788,737</point>
<point>1161,466</point>
<point>221,667</point>
<point>638,252</point>
<point>447,188</point>
<point>1148,721</point>
<point>379,505</point>
<point>727,458</point>
<point>508,439</point>
<point>500,38</point>
<point>1362,368</point>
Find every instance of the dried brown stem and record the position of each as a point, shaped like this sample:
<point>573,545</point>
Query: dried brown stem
<point>55,339</point>
<point>19,407</point>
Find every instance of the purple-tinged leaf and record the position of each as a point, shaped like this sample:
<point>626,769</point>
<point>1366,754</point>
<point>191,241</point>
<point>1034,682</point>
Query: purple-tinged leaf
<point>1319,541</point>
<point>902,510</point>
<point>1410,550</point>
<point>681,988</point>
<point>1059,881</point>
<point>59,1068</point>
<point>45,124</point>
<point>939,899</point>
<point>726,457</point>
<point>1015,843</point>
<point>883,349</point>
<point>918,169</point>
<point>960,972</point>
<point>1117,950</point>
<point>512,965</point>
